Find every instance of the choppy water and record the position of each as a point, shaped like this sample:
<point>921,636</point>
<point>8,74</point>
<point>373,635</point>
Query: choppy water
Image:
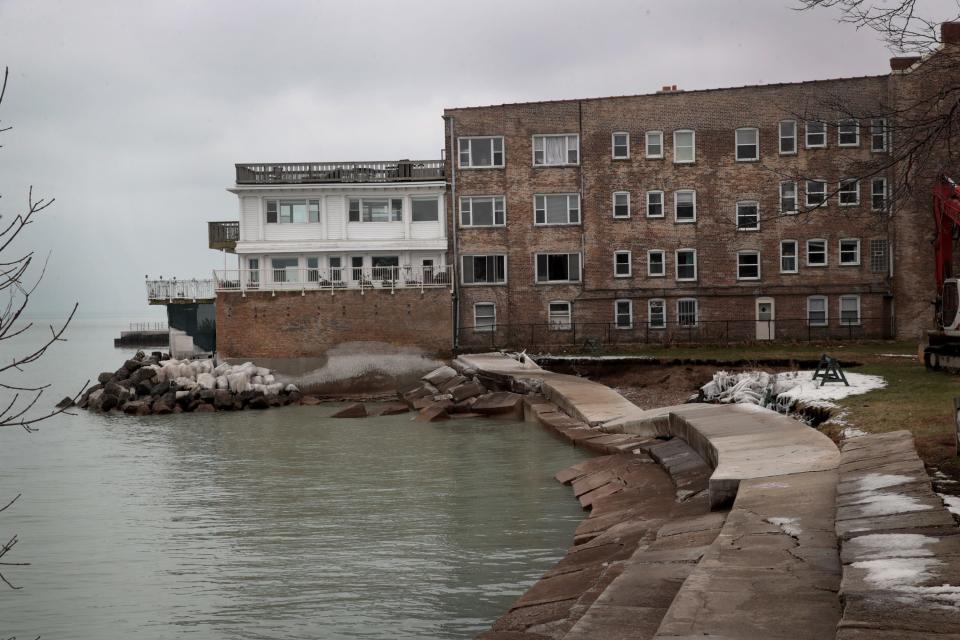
<point>276,524</point>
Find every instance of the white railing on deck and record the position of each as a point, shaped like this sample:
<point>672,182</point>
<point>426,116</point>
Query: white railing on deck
<point>296,279</point>
<point>180,289</point>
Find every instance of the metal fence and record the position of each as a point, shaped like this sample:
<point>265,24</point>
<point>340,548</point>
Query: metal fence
<point>182,290</point>
<point>603,335</point>
<point>299,279</point>
<point>148,326</point>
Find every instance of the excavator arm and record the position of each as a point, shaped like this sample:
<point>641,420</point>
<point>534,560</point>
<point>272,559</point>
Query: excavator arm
<point>946,214</point>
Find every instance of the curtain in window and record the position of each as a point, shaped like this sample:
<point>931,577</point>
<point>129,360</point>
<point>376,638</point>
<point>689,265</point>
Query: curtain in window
<point>555,150</point>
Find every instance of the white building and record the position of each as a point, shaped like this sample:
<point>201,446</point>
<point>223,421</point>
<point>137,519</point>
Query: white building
<point>336,225</point>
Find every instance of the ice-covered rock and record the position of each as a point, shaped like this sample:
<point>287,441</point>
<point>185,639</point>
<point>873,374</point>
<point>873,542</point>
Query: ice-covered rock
<point>222,382</point>
<point>206,381</point>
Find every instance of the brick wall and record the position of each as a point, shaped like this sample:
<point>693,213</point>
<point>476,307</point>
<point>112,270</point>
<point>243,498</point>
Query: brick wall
<point>290,325</point>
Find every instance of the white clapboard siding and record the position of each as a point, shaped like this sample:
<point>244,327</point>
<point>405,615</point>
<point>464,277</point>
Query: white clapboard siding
<point>425,230</point>
<point>250,219</point>
<point>293,231</point>
<point>375,230</point>
<point>335,212</point>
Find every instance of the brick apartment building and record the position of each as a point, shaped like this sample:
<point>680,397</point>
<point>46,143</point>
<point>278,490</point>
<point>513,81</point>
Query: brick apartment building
<point>758,212</point>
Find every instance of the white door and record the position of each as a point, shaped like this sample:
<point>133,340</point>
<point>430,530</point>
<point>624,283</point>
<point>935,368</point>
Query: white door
<point>765,319</point>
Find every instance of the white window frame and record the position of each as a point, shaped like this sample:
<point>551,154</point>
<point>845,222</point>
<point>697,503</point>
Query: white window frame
<point>782,137</point>
<point>663,263</point>
<point>629,272</point>
<point>806,134</point>
<point>826,311</point>
<point>675,206</point>
<point>493,153</point>
<point>311,205</point>
<point>873,193</point>
<point>693,146</point>
<point>568,136</point>
<point>848,323</point>
<point>621,193</point>
<point>613,145</point>
<point>485,328</point>
<point>840,251</point>
<point>484,284</point>
<point>738,144</point>
<point>696,312</point>
<point>796,256</point>
<point>856,132</point>
<point>676,263</point>
<point>646,144</point>
<point>391,200</point>
<point>749,252</point>
<point>662,303</point>
<point>536,267</point>
<point>565,325</point>
<point>575,196</point>
<point>880,123</point>
<point>663,204</point>
<point>616,313</point>
<point>841,192</point>
<point>494,199</point>
<point>756,205</point>
<point>806,194</point>
<point>796,198</point>
<point>826,256</point>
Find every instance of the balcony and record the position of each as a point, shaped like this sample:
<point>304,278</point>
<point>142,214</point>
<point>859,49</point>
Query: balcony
<point>342,279</point>
<point>223,235</point>
<point>179,291</point>
<point>340,172</point>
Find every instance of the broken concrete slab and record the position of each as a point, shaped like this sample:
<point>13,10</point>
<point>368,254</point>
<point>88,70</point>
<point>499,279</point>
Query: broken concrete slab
<point>440,375</point>
<point>467,390</point>
<point>390,409</point>
<point>355,410</point>
<point>455,381</point>
<point>499,402</point>
<point>433,413</point>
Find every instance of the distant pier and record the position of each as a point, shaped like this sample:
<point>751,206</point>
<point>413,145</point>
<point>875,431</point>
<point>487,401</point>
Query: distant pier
<point>144,334</point>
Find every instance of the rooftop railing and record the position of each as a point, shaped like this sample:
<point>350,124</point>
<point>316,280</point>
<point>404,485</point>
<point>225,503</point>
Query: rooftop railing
<point>169,291</point>
<point>344,278</point>
<point>327,172</point>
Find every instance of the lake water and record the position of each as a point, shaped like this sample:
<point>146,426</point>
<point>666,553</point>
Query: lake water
<point>274,524</point>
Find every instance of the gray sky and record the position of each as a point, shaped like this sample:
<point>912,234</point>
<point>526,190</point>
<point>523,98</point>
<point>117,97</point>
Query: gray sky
<point>132,113</point>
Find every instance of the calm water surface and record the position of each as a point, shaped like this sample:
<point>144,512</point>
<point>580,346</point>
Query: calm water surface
<point>275,524</point>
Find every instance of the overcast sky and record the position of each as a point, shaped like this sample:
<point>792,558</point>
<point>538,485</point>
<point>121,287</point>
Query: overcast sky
<point>131,114</point>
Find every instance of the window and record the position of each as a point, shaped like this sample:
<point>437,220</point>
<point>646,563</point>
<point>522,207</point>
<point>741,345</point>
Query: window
<point>356,268</point>
<point>849,310</point>
<point>556,150</point>
<point>656,313</point>
<point>621,145</point>
<point>684,146</point>
<point>293,211</point>
<point>878,194</point>
<point>285,269</point>
<point>788,197</point>
<point>816,193</point>
<point>558,267</point>
<point>559,208</point>
<point>376,210</point>
<point>313,269</point>
<point>879,260</point>
<point>788,137</point>
<point>748,216</point>
<point>848,193</point>
<point>850,251</point>
<point>748,265</point>
<point>685,205</point>
<point>748,144</point>
<point>481,152</point>
<point>686,264</point>
<point>425,210</point>
<point>687,312</point>
<point>788,256</point>
<point>484,269</point>
<point>558,315</point>
<point>336,268</point>
<point>481,211</point>
<point>817,311</point>
<point>623,314</point>
<point>654,141</point>
<point>253,264</point>
<point>848,133</point>
<point>816,134</point>
<point>621,204</point>
<point>816,253</point>
<point>656,263</point>
<point>484,316</point>
<point>621,264</point>
<point>654,204</point>
<point>878,135</point>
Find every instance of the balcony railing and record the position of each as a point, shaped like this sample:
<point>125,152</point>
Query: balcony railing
<point>168,291</point>
<point>223,235</point>
<point>323,172</point>
<point>344,278</point>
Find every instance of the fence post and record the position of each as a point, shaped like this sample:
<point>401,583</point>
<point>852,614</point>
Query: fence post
<point>573,325</point>
<point>493,333</point>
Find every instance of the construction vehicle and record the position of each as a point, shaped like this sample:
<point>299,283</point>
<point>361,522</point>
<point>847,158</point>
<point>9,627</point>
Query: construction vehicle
<point>942,350</point>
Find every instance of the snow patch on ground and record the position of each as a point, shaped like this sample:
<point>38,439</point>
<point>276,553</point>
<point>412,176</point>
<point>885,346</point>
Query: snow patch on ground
<point>903,545</point>
<point>897,355</point>
<point>897,573</point>
<point>952,503</point>
<point>875,481</point>
<point>781,391</point>
<point>590,358</point>
<point>886,503</point>
<point>789,526</point>
<point>851,432</point>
